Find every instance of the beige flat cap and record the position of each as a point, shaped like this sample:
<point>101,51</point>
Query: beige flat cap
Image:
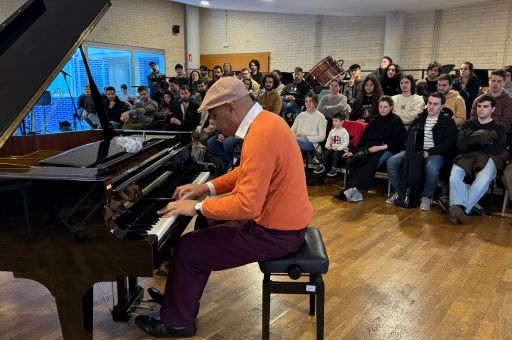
<point>224,90</point>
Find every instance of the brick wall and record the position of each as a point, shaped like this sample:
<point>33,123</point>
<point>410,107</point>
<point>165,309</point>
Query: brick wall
<point>481,34</point>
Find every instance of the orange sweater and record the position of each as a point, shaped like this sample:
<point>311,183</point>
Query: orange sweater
<point>269,186</point>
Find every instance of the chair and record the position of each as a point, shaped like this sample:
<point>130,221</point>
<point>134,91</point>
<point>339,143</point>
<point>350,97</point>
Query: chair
<point>311,260</point>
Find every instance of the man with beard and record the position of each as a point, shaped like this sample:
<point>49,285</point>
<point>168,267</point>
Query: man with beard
<point>115,107</point>
<point>454,102</point>
<point>142,114</point>
<point>186,117</point>
<point>203,71</point>
<point>294,93</point>
<point>503,111</point>
<point>270,99</point>
<point>201,90</point>
<point>218,72</point>
<point>154,79</point>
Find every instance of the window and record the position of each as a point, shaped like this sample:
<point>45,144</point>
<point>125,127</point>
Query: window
<point>110,65</point>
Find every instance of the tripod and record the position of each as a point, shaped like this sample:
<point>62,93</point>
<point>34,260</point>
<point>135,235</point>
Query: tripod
<point>75,114</point>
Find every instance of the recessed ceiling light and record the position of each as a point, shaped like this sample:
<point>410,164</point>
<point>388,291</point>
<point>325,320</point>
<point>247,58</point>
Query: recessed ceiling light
<point>205,3</point>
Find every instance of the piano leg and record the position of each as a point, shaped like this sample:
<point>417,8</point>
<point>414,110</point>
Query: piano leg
<point>129,294</point>
<point>74,300</point>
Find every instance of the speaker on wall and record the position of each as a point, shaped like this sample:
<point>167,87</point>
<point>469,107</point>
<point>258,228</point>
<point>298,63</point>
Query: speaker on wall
<point>175,29</point>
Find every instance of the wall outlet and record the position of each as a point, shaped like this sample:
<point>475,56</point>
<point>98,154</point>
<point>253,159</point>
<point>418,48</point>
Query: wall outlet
<point>226,44</point>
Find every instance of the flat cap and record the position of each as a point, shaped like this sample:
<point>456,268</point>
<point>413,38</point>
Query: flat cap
<point>224,90</point>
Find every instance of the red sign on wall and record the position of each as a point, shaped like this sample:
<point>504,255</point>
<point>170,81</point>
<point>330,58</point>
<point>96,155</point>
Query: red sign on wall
<point>189,57</point>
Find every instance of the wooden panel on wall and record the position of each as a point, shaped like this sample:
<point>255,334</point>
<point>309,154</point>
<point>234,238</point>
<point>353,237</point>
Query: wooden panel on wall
<point>237,60</point>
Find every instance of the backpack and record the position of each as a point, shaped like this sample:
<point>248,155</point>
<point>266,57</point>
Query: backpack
<point>413,169</point>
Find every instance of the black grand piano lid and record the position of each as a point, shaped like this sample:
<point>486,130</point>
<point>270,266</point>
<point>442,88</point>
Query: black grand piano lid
<point>35,43</point>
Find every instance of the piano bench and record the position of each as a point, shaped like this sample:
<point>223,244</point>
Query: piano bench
<point>312,261</point>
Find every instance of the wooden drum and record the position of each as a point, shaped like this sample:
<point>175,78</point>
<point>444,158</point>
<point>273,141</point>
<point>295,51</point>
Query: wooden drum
<point>324,71</point>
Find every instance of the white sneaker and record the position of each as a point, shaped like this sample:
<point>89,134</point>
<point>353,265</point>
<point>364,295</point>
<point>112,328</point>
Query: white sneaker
<point>357,196</point>
<point>348,194</point>
<point>425,203</point>
<point>392,198</point>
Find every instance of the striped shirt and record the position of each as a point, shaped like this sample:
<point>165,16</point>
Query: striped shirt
<point>428,138</point>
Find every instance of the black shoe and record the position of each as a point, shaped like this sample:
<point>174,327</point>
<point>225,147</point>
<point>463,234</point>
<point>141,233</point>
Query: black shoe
<point>341,196</point>
<point>154,327</point>
<point>156,295</point>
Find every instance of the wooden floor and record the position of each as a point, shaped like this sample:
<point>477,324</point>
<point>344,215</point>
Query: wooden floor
<point>394,274</point>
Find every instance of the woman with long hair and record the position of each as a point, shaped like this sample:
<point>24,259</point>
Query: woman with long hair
<point>367,100</point>
<point>467,84</point>
<point>383,137</point>
<point>194,77</point>
<point>390,80</point>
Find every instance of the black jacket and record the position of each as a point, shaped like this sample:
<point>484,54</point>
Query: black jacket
<point>444,132</point>
<point>189,119</point>
<point>298,90</point>
<point>488,138</point>
<point>382,130</point>
<point>114,113</point>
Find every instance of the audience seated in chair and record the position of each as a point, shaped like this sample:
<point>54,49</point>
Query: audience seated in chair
<point>334,102</point>
<point>142,114</point>
<point>384,63</point>
<point>438,140</point>
<point>293,94</point>
<point>201,90</point>
<point>390,81</point>
<point>383,138</point>
<point>481,143</point>
<point>174,87</point>
<point>503,111</point>
<point>185,117</point>
<point>433,72</point>
<point>115,107</point>
<point>336,145</point>
<point>223,147</point>
<point>467,84</point>
<point>125,96</point>
<point>87,109</point>
<point>367,101</point>
<point>454,101</point>
<point>508,78</point>
<point>353,84</point>
<point>203,70</point>
<point>254,85</point>
<point>270,99</point>
<point>309,126</point>
<point>408,105</point>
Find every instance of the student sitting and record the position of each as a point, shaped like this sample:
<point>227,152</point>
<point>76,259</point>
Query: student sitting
<point>438,139</point>
<point>309,126</point>
<point>335,146</point>
<point>383,138</point>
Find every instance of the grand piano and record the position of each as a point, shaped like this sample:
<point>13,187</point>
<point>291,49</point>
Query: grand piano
<point>75,207</point>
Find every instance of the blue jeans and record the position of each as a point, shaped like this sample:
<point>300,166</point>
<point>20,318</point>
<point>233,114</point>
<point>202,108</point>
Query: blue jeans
<point>289,107</point>
<point>383,158</point>
<point>223,150</point>
<point>433,165</point>
<point>469,195</point>
<point>305,145</point>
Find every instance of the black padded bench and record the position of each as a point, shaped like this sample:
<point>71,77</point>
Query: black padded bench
<point>311,260</point>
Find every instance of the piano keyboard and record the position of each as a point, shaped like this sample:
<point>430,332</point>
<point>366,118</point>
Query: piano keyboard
<point>147,221</point>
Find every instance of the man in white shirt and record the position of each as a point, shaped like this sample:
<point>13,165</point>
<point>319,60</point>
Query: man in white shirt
<point>310,126</point>
<point>408,105</point>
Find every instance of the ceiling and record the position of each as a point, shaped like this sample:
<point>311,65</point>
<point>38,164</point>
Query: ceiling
<point>333,7</point>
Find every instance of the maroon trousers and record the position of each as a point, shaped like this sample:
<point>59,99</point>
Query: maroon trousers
<point>224,245</point>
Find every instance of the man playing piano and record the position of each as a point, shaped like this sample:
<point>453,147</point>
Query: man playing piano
<point>264,217</point>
